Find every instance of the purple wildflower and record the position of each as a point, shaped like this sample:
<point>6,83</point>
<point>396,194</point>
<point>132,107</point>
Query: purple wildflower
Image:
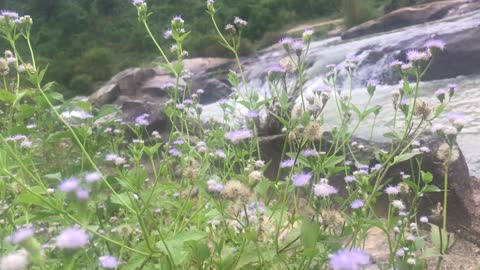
<point>362,166</point>
<point>391,190</point>
<point>188,101</point>
<point>372,83</point>
<point>9,14</point>
<point>415,56</point>
<point>174,152</point>
<point>349,178</point>
<point>424,149</point>
<point>21,235</point>
<point>214,186</point>
<point>223,101</point>
<point>302,179</point>
<point>276,72</point>
<point>276,69</point>
<point>167,85</point>
<point>138,2</point>
<point>220,153</point>
<point>142,119</point>
<point>111,157</point>
<point>80,114</point>
<point>406,66</point>
<point>324,190</point>
<point>69,185</point>
<point>251,114</point>
<point>82,194</point>
<point>457,119</point>
<point>376,167</point>
<point>452,87</point>
<point>298,45</point>
<point>310,153</point>
<point>396,63</point>
<point>92,177</point>
<point>358,203</point>
<point>178,19</point>
<point>286,42</point>
<point>167,34</point>
<point>238,135</point>
<point>288,163</point>
<point>15,138</point>
<point>441,94</point>
<point>349,260</point>
<point>179,142</point>
<point>240,22</point>
<point>424,219</point>
<point>230,28</point>
<point>435,44</point>
<point>308,32</point>
<point>72,238</point>
<point>109,262</point>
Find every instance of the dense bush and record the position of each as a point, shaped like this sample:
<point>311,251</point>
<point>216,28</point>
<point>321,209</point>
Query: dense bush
<point>80,188</point>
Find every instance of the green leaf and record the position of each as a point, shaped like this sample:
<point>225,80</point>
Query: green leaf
<point>54,176</point>
<point>167,67</point>
<point>431,188</point>
<point>122,199</point>
<point>29,198</point>
<point>233,78</point>
<point>332,161</point>
<point>263,187</point>
<point>404,157</point>
<point>7,96</point>
<point>442,239</point>
<point>356,110</point>
<point>411,184</point>
<point>392,135</point>
<point>427,177</point>
<point>439,110</point>
<point>308,235</point>
<point>105,110</point>
<point>176,244</point>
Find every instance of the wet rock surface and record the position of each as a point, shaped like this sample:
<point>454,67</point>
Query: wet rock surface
<point>411,16</point>
<point>141,90</point>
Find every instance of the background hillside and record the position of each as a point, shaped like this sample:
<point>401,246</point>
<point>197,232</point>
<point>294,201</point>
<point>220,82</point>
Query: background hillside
<point>85,42</point>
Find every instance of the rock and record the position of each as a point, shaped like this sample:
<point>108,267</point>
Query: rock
<point>410,16</point>
<point>460,57</point>
<point>139,90</point>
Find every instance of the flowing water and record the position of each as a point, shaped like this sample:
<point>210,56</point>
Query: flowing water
<point>377,52</point>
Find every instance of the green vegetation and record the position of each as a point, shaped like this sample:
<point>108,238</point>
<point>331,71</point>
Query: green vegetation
<point>85,42</point>
<point>81,190</point>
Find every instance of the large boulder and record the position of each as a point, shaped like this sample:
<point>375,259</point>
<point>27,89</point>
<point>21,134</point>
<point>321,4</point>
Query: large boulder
<point>141,90</point>
<point>410,16</point>
<point>460,57</point>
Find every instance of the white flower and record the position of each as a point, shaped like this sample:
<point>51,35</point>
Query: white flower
<point>324,190</point>
<point>15,261</point>
<point>398,204</point>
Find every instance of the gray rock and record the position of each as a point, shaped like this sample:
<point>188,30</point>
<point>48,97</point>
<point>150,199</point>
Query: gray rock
<point>139,90</point>
<point>410,16</point>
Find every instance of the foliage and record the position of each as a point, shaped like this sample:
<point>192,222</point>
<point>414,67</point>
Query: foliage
<point>83,190</point>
